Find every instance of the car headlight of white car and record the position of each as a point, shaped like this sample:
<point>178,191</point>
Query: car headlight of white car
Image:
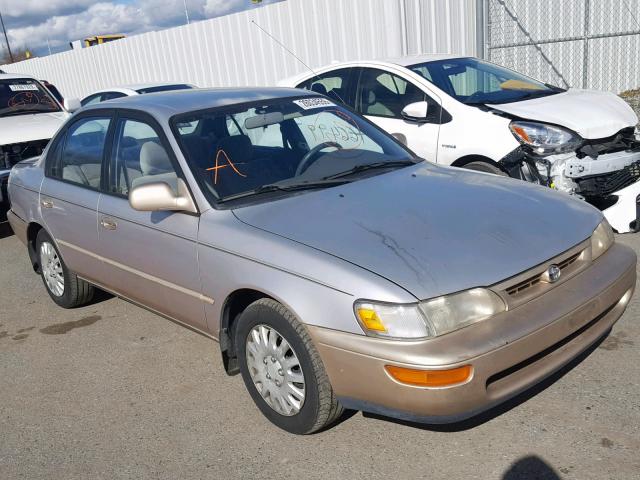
<point>601,239</point>
<point>545,139</point>
<point>429,318</point>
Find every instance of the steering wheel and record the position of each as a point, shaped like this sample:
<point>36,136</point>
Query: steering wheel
<point>312,155</point>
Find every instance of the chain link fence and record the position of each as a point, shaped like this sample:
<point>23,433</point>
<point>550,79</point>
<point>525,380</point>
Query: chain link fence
<point>570,43</point>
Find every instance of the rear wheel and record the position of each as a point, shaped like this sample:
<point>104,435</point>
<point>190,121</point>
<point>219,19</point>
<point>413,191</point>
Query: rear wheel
<point>282,369</point>
<point>64,286</point>
<point>480,166</point>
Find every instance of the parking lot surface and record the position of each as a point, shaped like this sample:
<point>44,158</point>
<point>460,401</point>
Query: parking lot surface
<point>112,391</point>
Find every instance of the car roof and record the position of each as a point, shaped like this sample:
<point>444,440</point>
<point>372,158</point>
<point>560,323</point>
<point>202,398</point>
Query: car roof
<point>15,76</point>
<point>133,89</point>
<point>403,61</point>
<point>166,104</point>
<point>407,60</point>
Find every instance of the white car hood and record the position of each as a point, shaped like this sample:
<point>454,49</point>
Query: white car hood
<point>29,127</point>
<point>589,113</point>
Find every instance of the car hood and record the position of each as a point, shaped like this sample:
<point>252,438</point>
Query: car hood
<point>432,230</point>
<point>29,127</point>
<point>589,113</point>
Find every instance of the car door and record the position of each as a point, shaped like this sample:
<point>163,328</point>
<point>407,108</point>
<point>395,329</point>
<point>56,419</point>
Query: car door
<point>70,191</point>
<point>381,95</point>
<point>151,257</point>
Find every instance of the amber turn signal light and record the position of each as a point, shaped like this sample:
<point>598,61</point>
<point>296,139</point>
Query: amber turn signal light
<point>430,378</point>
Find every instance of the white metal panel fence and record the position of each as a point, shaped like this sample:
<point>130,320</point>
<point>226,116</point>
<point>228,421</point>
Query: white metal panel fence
<point>232,51</point>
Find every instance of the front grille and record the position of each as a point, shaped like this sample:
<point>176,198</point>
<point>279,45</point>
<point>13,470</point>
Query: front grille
<point>603,185</point>
<point>536,279</point>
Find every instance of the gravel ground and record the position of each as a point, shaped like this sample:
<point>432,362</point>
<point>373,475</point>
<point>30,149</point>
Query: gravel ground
<point>111,391</point>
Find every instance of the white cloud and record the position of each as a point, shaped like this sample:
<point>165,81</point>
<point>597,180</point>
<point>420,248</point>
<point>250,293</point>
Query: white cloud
<point>33,23</point>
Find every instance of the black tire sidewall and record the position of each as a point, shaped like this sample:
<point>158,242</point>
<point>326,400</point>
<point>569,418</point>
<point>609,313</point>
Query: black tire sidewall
<point>304,421</point>
<point>65,299</point>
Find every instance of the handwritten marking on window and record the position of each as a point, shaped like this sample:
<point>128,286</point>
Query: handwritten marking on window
<point>218,166</point>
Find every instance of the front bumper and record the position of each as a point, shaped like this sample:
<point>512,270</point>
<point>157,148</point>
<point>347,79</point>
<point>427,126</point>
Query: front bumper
<point>509,353</point>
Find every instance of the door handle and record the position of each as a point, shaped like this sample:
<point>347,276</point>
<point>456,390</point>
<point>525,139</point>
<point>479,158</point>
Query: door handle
<point>108,224</point>
<point>47,203</point>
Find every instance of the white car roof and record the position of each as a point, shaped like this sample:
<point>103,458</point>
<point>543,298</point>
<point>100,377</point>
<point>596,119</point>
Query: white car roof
<point>404,61</point>
<point>133,89</point>
<point>15,76</point>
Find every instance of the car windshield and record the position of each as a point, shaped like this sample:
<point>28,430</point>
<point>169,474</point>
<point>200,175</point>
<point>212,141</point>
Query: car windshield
<point>22,96</point>
<point>474,82</point>
<point>283,145</point>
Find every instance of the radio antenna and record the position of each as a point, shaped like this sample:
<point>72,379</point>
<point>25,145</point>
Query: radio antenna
<point>294,56</point>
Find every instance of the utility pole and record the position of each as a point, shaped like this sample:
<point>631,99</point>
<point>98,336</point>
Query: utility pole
<point>186,12</point>
<point>6,38</point>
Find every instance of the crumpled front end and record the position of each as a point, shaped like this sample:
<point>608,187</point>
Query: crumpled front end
<point>604,172</point>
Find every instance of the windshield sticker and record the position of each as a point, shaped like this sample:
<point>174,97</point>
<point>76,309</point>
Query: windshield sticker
<point>218,166</point>
<point>24,88</point>
<point>315,102</point>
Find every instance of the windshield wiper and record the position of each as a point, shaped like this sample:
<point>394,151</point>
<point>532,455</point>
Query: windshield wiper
<point>371,166</point>
<point>21,111</point>
<point>292,187</point>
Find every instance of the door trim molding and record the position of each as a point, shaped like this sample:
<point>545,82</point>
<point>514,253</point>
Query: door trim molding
<point>146,276</point>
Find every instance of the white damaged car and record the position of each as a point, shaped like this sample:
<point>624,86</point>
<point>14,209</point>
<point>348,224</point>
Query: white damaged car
<point>469,113</point>
<point>29,116</point>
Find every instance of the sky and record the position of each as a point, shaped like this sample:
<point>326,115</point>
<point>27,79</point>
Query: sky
<point>40,24</point>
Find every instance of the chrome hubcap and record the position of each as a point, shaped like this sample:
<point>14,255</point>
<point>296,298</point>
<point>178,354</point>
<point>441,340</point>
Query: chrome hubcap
<point>51,269</point>
<point>275,370</point>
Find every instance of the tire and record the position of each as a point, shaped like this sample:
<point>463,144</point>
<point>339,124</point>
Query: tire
<point>74,291</point>
<point>480,166</point>
<point>319,407</point>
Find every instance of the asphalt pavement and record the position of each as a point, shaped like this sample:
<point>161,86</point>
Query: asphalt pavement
<point>111,391</point>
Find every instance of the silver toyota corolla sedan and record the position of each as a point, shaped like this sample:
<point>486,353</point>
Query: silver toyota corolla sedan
<point>334,267</point>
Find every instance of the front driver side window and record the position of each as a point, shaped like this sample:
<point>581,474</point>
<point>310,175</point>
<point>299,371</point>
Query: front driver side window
<point>384,94</point>
<point>81,159</point>
<point>138,157</point>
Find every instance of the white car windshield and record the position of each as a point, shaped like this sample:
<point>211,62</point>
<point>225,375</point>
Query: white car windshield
<point>474,82</point>
<point>282,145</point>
<point>22,96</point>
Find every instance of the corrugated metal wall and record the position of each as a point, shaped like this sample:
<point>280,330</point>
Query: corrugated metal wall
<point>231,51</point>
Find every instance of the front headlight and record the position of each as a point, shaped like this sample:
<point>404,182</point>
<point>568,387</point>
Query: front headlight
<point>601,239</point>
<point>545,139</point>
<point>429,318</point>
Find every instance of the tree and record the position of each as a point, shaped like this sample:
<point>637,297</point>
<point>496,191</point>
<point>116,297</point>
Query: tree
<point>18,55</point>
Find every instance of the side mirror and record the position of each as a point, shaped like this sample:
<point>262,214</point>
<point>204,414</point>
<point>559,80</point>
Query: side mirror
<point>159,196</point>
<point>72,104</point>
<point>416,112</point>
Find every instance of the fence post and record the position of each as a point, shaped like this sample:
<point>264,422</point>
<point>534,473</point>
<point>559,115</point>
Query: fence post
<point>482,28</point>
<point>585,44</point>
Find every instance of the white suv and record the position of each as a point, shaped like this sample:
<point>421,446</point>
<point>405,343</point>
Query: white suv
<point>469,113</point>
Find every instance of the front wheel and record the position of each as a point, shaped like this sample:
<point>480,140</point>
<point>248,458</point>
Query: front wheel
<point>484,167</point>
<point>282,370</point>
<point>64,286</point>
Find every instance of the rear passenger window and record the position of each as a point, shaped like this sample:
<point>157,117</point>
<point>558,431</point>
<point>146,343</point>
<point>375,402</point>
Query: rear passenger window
<point>333,84</point>
<point>81,159</point>
<point>138,157</point>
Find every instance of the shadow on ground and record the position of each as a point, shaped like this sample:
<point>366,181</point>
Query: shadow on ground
<point>531,468</point>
